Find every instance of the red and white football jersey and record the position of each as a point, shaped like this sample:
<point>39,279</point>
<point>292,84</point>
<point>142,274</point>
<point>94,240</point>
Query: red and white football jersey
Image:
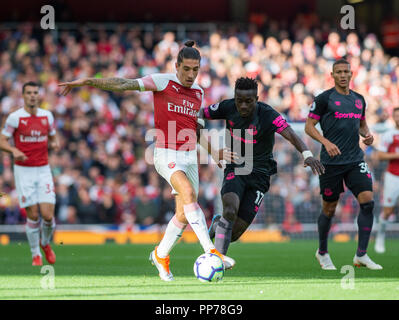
<point>176,110</point>
<point>30,133</point>
<point>390,143</point>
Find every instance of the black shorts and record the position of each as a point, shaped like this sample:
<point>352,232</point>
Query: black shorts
<point>250,189</point>
<point>357,178</point>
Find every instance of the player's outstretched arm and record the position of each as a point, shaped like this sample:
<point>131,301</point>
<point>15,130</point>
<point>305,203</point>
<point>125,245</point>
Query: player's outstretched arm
<point>310,129</point>
<point>111,84</point>
<point>290,135</point>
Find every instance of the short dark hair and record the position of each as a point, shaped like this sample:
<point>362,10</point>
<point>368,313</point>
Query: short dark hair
<point>340,61</point>
<point>188,52</point>
<point>29,84</point>
<point>246,84</point>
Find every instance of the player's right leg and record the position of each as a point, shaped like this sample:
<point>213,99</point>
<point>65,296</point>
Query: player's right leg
<point>331,186</point>
<point>32,230</point>
<point>174,230</point>
<point>25,183</point>
<point>323,227</point>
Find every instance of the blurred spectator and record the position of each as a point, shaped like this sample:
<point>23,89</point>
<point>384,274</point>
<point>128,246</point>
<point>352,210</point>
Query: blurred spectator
<point>147,209</point>
<point>100,172</point>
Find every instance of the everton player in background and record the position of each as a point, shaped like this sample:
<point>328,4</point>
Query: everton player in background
<point>250,123</point>
<point>341,113</point>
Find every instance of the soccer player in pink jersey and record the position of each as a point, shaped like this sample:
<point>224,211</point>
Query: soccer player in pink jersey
<point>177,101</point>
<point>33,131</point>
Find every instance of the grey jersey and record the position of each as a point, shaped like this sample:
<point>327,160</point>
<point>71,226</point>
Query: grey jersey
<point>340,117</point>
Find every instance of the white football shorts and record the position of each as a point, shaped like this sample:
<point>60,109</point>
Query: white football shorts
<point>34,185</point>
<point>168,161</point>
<point>391,189</point>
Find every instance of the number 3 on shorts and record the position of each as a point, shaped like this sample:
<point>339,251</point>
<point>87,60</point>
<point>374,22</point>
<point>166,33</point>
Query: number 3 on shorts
<point>364,167</point>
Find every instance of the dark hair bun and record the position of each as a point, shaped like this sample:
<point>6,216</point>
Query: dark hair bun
<point>189,43</point>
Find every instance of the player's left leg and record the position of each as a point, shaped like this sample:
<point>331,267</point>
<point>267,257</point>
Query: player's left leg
<point>47,230</point>
<point>46,200</point>
<point>359,181</point>
<point>174,229</point>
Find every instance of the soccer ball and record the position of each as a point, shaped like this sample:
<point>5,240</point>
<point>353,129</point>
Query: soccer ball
<point>209,268</point>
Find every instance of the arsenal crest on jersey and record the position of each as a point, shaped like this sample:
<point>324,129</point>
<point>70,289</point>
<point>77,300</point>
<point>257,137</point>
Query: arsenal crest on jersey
<point>198,95</point>
<point>44,122</point>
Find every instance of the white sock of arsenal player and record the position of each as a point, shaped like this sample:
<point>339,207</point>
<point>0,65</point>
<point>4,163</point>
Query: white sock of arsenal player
<point>47,229</point>
<point>32,229</point>
<point>196,218</point>
<point>173,233</point>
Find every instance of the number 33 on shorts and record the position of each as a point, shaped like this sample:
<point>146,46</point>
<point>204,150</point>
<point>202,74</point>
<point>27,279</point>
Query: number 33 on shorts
<point>364,168</point>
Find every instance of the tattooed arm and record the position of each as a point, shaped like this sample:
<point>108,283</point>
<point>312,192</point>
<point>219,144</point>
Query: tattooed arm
<point>112,84</point>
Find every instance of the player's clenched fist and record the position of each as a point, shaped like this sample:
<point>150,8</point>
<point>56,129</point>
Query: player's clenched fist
<point>368,139</point>
<point>19,155</point>
<point>332,149</point>
<point>225,154</point>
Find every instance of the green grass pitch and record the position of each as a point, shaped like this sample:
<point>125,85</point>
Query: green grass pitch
<point>263,271</point>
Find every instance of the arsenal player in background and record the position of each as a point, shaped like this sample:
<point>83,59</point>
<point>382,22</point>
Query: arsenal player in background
<point>388,150</point>
<point>177,101</point>
<point>33,131</point>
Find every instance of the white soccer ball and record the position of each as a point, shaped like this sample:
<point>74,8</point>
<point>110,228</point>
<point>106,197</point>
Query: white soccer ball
<point>209,268</point>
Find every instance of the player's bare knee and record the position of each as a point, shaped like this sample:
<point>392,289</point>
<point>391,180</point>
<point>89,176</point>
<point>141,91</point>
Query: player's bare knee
<point>329,208</point>
<point>47,216</point>
<point>364,197</point>
<point>230,213</point>
<point>32,213</point>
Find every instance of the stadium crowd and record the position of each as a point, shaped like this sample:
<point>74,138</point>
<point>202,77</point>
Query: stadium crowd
<point>101,174</point>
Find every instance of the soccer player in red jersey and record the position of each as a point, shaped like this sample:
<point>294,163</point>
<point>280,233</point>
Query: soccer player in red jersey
<point>33,131</point>
<point>177,101</point>
<point>388,150</point>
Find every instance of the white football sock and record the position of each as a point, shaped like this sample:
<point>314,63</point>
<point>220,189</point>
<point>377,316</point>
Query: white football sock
<point>32,229</point>
<point>382,224</point>
<point>173,233</point>
<point>196,218</point>
<point>47,229</point>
